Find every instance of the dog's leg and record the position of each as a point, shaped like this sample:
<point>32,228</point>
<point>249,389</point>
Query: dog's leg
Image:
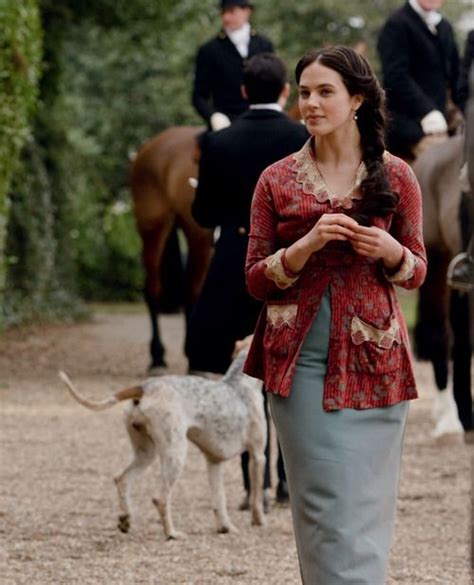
<point>172,449</point>
<point>256,448</point>
<point>144,454</point>
<point>216,483</point>
<point>257,466</point>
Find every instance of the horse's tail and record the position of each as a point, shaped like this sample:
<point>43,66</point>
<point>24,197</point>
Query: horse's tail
<point>134,392</point>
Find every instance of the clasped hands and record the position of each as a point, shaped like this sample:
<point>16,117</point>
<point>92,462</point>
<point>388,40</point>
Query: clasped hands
<point>372,242</point>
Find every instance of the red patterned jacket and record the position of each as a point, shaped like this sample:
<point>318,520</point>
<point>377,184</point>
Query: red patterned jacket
<point>369,363</point>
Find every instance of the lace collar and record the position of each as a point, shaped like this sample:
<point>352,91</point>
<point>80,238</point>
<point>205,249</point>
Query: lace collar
<point>312,182</point>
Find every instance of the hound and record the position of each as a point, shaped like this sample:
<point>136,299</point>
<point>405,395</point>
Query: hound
<point>222,417</point>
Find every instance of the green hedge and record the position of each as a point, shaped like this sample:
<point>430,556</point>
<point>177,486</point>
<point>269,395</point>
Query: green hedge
<point>20,56</point>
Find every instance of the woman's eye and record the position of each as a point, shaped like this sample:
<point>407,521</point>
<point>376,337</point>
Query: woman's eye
<point>326,92</point>
<point>304,93</point>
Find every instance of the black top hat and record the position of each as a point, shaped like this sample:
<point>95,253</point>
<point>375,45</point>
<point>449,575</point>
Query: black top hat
<point>242,3</point>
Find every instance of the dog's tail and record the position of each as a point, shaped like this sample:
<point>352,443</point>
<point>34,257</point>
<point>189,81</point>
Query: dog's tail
<point>134,392</point>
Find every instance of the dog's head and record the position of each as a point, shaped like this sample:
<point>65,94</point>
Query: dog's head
<point>242,344</point>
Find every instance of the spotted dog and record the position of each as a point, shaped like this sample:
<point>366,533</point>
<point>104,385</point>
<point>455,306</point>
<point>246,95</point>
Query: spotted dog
<point>222,417</point>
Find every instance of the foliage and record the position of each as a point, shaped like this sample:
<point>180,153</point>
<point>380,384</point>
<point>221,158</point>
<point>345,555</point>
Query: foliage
<point>20,53</point>
<point>117,72</point>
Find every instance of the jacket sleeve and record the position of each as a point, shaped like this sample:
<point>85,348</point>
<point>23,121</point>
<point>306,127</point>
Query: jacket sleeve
<point>265,268</point>
<point>402,88</point>
<point>407,228</point>
<point>202,85</point>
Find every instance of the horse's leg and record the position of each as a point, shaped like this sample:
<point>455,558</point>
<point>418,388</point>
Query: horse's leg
<point>431,339</point>
<point>199,256</point>
<point>431,334</point>
<point>461,354</point>
<point>154,241</point>
<point>172,276</point>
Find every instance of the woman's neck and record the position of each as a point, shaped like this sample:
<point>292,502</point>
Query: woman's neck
<point>339,148</point>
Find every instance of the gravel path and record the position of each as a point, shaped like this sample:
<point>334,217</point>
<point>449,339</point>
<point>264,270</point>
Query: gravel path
<point>58,503</point>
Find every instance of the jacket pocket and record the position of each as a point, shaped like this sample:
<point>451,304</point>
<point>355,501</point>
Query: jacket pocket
<point>280,329</point>
<point>374,350</point>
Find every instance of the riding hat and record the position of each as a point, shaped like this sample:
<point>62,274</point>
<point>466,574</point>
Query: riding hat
<point>229,3</point>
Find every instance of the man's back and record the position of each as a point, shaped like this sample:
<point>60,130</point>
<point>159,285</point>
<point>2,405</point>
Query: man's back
<point>233,160</point>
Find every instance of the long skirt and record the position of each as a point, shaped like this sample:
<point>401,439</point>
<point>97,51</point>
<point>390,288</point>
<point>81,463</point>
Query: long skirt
<point>343,472</point>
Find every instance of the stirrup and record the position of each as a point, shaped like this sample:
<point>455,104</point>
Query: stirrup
<point>461,282</point>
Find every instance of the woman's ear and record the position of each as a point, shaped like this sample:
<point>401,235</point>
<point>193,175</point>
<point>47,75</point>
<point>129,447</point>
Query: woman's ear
<point>357,101</point>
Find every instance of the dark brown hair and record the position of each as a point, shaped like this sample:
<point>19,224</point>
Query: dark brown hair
<point>359,79</point>
<point>264,78</point>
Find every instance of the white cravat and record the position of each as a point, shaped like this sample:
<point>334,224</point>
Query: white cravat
<point>430,17</point>
<point>241,39</point>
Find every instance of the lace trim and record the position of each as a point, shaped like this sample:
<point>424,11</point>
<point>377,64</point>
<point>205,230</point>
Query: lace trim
<point>278,315</point>
<point>406,270</point>
<point>276,271</point>
<point>309,176</point>
<point>384,338</point>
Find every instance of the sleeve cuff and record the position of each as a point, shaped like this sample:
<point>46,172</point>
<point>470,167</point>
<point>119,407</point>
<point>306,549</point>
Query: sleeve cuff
<point>278,271</point>
<point>406,269</point>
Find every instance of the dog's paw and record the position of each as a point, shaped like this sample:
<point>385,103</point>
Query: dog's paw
<point>258,519</point>
<point>175,535</point>
<point>124,523</point>
<point>227,529</point>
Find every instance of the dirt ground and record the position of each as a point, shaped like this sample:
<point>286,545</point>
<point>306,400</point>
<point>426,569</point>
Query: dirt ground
<point>58,503</point>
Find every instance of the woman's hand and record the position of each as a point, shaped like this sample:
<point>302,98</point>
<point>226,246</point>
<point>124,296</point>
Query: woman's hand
<point>330,226</point>
<point>374,242</point>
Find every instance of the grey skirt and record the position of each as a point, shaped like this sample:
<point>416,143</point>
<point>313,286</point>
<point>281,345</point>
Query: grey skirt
<point>343,472</point>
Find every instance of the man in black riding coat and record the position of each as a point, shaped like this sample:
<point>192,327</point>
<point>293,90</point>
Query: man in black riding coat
<point>420,65</point>
<point>218,75</point>
<point>229,169</point>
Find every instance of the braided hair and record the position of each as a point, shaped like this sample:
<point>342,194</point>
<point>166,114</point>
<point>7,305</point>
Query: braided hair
<point>359,79</point>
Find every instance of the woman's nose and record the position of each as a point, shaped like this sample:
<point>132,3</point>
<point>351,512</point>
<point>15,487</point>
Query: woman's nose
<point>313,99</point>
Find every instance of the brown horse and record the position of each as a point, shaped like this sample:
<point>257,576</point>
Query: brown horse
<point>162,198</point>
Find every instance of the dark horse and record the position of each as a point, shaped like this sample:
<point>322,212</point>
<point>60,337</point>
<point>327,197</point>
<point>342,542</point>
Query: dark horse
<point>444,316</point>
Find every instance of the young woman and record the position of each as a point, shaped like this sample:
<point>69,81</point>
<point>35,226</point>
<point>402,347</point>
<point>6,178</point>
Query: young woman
<point>333,227</point>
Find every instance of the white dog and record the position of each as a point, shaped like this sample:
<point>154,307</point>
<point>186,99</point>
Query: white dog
<point>223,418</point>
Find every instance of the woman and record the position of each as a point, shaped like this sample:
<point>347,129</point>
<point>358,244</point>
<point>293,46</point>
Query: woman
<point>333,227</point>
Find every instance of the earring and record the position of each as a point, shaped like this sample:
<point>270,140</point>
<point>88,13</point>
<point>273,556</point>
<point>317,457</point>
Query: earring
<point>356,117</point>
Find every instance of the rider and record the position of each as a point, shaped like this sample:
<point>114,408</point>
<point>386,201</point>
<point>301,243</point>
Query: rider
<point>219,63</point>
<point>420,65</point>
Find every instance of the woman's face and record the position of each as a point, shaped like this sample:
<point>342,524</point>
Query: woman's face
<point>325,103</point>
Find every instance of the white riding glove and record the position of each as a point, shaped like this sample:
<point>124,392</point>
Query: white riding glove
<point>434,123</point>
<point>219,121</point>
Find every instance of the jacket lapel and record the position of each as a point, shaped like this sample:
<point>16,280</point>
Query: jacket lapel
<point>229,47</point>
